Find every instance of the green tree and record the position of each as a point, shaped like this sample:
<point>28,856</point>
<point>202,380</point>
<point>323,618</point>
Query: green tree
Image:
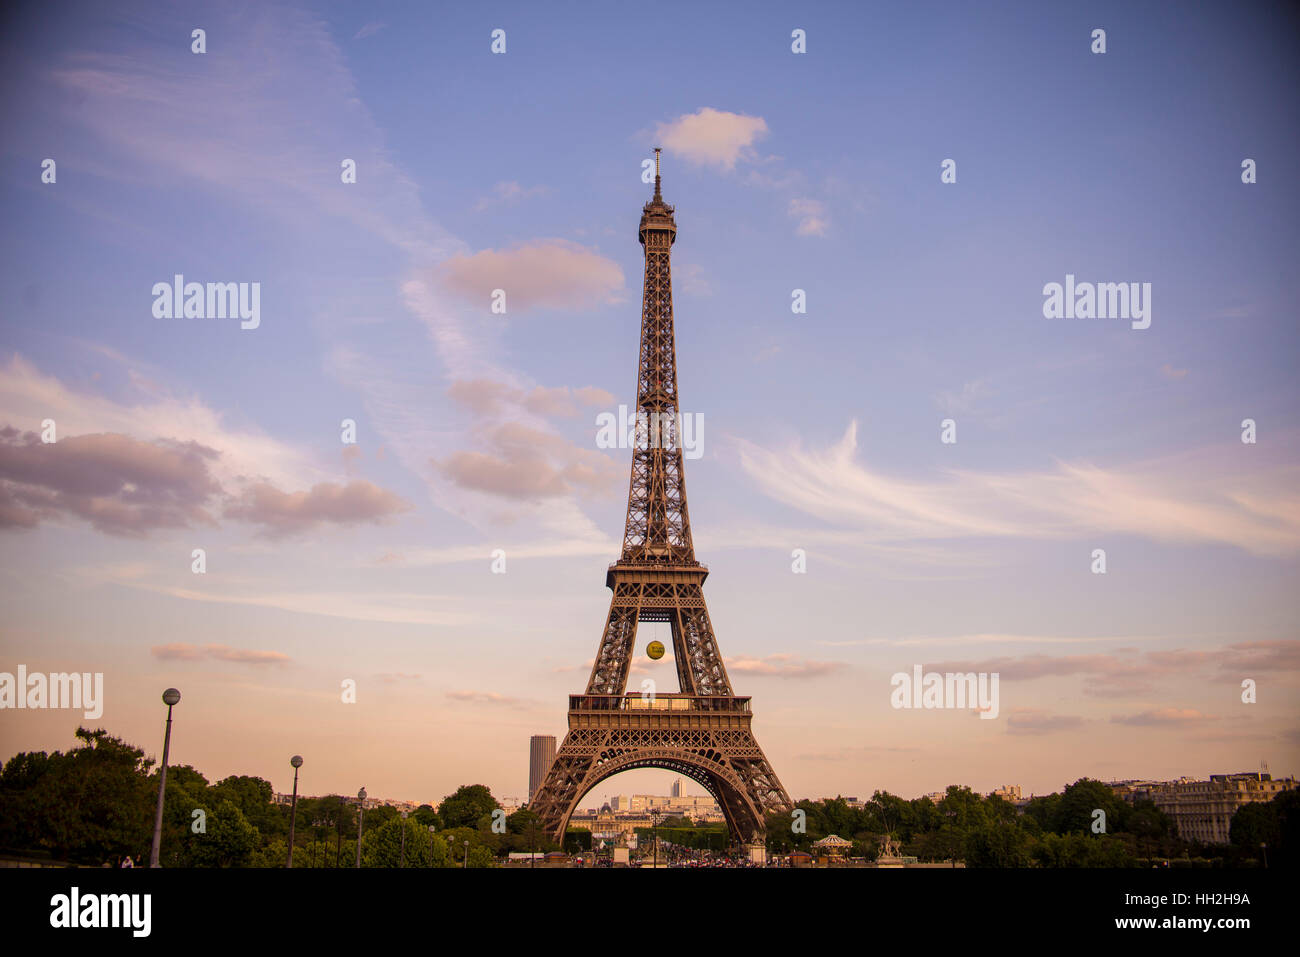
<point>1080,800</point>
<point>946,844</point>
<point>997,845</point>
<point>230,840</point>
<point>253,797</point>
<point>187,791</point>
<point>1044,811</point>
<point>89,805</point>
<point>963,808</point>
<point>1257,824</point>
<point>1287,851</point>
<point>426,815</point>
<point>456,838</point>
<point>382,847</point>
<point>1077,849</point>
<point>780,835</point>
<point>577,840</point>
<point>274,853</point>
<point>468,806</point>
<point>891,813</point>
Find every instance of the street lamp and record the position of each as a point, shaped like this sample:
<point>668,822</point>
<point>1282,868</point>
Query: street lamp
<point>431,830</point>
<point>402,860</point>
<point>465,866</point>
<point>296,761</point>
<point>316,825</point>
<point>170,697</point>
<point>361,822</point>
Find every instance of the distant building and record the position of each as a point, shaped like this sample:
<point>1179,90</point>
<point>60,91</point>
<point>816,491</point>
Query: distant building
<point>1202,810</point>
<point>696,807</point>
<point>1139,789</point>
<point>701,809</point>
<point>541,754</point>
<point>1008,792</point>
<point>852,802</point>
<point>676,788</point>
<point>371,803</point>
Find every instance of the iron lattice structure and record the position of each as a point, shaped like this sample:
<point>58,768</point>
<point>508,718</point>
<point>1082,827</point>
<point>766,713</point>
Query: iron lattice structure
<point>703,731</point>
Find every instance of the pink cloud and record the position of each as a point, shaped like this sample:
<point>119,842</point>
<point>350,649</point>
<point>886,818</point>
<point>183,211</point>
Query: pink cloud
<point>526,463</point>
<point>782,666</point>
<point>180,651</point>
<point>710,137</point>
<point>284,513</point>
<point>1038,721</point>
<point>120,485</point>
<point>542,274</point>
<point>1170,717</point>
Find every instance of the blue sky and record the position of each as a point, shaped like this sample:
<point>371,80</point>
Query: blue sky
<point>819,172</point>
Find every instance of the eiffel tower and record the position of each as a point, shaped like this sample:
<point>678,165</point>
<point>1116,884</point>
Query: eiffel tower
<point>703,731</point>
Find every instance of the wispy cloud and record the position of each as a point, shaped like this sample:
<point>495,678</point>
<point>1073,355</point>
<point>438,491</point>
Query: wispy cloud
<point>967,400</point>
<point>1197,498</point>
<point>508,193</point>
<point>1038,721</point>
<point>783,666</point>
<point>179,651</point>
<point>1127,672</point>
<point>813,217</point>
<point>487,397</point>
<point>491,698</point>
<point>1164,717</point>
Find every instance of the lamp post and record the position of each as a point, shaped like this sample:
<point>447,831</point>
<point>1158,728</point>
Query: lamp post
<point>338,834</point>
<point>361,822</point>
<point>431,830</point>
<point>316,825</point>
<point>170,697</point>
<point>296,761</point>
<point>402,860</point>
<point>465,866</point>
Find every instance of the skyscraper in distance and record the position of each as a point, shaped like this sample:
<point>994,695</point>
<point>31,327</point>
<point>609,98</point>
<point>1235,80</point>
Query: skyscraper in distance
<point>541,752</point>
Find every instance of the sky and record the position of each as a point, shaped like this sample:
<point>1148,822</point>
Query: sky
<point>371,562</point>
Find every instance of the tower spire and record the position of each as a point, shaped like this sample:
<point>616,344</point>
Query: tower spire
<point>658,195</point>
